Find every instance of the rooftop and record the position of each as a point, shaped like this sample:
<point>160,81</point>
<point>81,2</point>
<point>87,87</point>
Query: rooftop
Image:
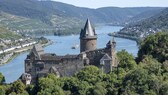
<point>88,31</point>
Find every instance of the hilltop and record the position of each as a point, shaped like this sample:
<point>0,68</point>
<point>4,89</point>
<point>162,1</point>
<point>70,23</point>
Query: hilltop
<point>33,17</point>
<point>50,17</point>
<point>156,23</point>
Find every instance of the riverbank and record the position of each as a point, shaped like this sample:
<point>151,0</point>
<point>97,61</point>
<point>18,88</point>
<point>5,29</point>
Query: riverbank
<point>13,53</point>
<point>125,37</point>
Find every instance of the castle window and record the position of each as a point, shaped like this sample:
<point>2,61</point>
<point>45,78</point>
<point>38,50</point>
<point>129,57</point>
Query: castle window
<point>28,64</point>
<point>30,69</point>
<point>37,69</point>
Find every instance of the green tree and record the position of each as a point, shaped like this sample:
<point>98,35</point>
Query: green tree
<point>89,74</point>
<point>2,90</point>
<point>31,89</point>
<point>18,87</point>
<point>165,66</point>
<point>76,86</point>
<point>98,89</point>
<point>164,89</point>
<point>151,65</point>
<point>55,90</point>
<point>111,83</point>
<point>136,81</point>
<point>47,86</point>
<point>155,83</point>
<point>165,70</point>
<point>126,64</point>
<point>155,45</point>
<point>126,60</point>
<point>2,79</point>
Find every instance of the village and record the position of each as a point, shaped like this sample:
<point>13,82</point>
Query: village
<point>9,48</point>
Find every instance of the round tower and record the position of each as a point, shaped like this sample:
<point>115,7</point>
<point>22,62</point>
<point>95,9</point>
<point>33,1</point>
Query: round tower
<point>88,37</point>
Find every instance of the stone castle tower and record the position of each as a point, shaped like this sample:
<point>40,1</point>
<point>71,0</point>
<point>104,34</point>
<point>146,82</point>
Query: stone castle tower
<point>88,37</point>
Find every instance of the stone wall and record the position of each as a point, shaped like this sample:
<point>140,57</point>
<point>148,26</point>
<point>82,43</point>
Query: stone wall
<point>65,67</point>
<point>95,55</point>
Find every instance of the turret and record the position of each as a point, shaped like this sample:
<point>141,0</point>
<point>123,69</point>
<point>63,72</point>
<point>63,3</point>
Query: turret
<point>88,38</point>
<point>114,43</point>
<point>111,45</point>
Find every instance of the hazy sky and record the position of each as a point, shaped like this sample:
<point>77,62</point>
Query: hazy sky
<point>118,3</point>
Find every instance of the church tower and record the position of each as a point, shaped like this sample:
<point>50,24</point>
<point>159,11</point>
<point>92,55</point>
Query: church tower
<point>88,37</point>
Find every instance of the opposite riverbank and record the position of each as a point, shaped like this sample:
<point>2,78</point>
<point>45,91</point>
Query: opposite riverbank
<point>125,37</point>
<point>13,53</point>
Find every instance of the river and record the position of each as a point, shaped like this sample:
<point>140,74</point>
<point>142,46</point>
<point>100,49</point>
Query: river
<point>62,45</point>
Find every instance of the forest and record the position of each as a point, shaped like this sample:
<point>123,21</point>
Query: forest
<point>147,74</point>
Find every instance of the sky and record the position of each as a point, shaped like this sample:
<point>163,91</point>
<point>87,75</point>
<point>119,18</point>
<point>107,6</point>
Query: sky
<point>116,3</point>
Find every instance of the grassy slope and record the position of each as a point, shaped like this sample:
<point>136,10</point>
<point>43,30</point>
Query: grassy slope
<point>6,34</point>
<point>16,22</point>
<point>48,16</point>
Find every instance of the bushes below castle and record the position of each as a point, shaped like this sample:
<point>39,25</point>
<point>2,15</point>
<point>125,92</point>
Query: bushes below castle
<point>148,77</point>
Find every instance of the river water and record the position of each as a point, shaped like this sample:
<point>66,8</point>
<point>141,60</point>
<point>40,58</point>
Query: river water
<point>62,45</point>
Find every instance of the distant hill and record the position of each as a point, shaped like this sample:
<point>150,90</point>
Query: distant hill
<point>156,23</point>
<point>34,16</point>
<point>27,8</point>
<point>112,15</point>
<point>144,15</point>
<point>47,16</point>
<point>125,15</point>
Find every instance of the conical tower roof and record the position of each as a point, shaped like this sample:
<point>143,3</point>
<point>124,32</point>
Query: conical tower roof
<point>88,31</point>
<point>111,41</point>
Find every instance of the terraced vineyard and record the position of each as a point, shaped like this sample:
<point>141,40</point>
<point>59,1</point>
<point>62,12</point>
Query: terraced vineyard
<point>7,34</point>
<point>15,23</point>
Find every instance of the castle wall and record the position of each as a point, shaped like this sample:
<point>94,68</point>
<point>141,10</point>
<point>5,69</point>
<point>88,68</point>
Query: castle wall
<point>65,67</point>
<point>95,55</point>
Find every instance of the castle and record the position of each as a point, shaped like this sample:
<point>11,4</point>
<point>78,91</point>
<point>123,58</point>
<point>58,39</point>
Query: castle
<point>39,64</point>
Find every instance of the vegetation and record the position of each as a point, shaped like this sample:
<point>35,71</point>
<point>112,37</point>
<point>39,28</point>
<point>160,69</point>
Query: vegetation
<point>49,17</point>
<point>156,46</point>
<point>44,10</point>
<point>6,34</point>
<point>2,79</point>
<point>34,17</point>
<point>147,77</point>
